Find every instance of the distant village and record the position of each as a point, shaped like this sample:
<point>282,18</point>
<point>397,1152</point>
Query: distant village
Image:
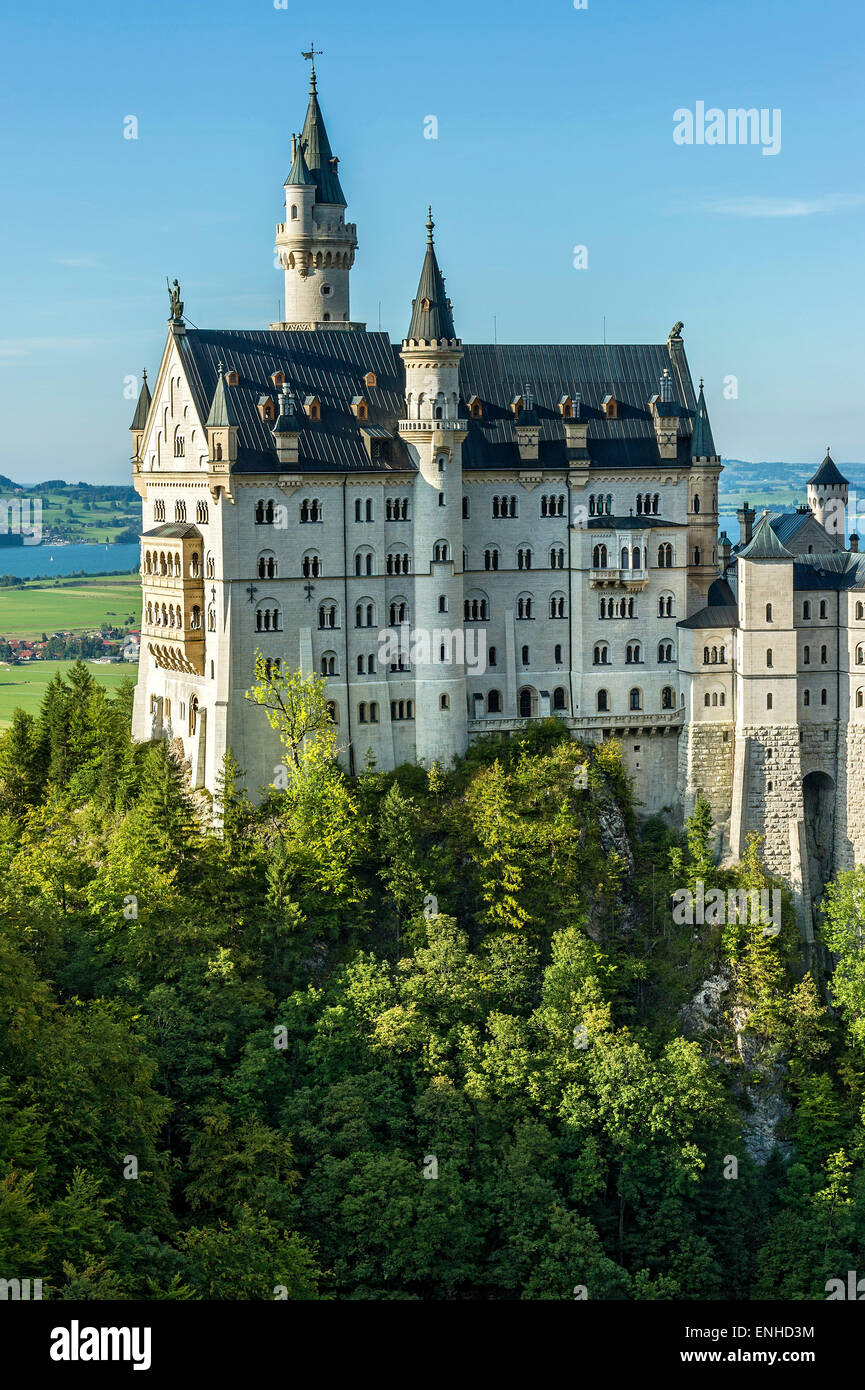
<point>110,645</point>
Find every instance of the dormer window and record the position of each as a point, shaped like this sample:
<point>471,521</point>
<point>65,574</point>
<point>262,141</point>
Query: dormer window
<point>312,406</point>
<point>231,378</point>
<point>566,407</point>
<point>610,407</point>
<point>370,379</point>
<point>359,408</point>
<point>516,406</point>
<point>266,408</point>
<point>278,378</point>
<point>426,305</point>
<point>476,409</point>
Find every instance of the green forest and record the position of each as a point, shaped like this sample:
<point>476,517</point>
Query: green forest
<point>426,1034</point>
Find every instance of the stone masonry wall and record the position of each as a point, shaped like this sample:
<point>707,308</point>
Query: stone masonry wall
<point>773,795</point>
<point>706,769</point>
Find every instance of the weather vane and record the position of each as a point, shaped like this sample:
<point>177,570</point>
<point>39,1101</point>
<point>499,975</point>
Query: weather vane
<point>312,54</point>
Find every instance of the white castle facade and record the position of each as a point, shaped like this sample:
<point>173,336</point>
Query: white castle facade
<point>464,537</point>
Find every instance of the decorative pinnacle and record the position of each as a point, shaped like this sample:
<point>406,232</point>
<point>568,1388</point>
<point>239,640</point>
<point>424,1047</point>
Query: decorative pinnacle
<point>144,373</point>
<point>219,368</point>
<point>701,383</point>
<point>429,226</point>
<point>310,58</point>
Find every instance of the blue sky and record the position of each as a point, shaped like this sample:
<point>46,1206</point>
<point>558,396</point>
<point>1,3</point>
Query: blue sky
<point>555,130</point>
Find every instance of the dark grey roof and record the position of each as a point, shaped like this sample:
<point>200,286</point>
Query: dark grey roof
<point>725,615</point>
<point>720,594</point>
<point>764,544</point>
<point>789,524</point>
<point>495,374</point>
<point>318,154</point>
<point>827,474</point>
<point>630,523</point>
<point>139,419</point>
<point>329,365</point>
<point>702,444</point>
<point>174,531</point>
<point>431,317</point>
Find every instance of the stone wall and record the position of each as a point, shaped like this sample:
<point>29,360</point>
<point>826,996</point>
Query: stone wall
<point>773,791</point>
<point>706,769</point>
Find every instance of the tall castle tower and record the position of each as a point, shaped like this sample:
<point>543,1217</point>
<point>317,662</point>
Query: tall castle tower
<point>827,496</point>
<point>434,435</point>
<point>315,244</point>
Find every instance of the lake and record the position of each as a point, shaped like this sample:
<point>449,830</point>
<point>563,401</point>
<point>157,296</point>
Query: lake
<point>30,561</point>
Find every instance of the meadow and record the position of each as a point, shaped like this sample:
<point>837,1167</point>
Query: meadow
<point>76,605</point>
<point>22,687</point>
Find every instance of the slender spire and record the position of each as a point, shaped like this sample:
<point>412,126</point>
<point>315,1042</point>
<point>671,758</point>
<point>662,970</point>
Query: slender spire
<point>432,315</point>
<point>222,414</point>
<point>139,420</point>
<point>320,159</point>
<point>702,444</point>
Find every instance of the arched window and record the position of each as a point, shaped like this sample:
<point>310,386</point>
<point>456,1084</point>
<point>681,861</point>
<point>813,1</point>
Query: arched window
<point>769,701</point>
<point>560,698</point>
<point>557,654</point>
<point>665,651</point>
<point>665,556</point>
<point>768,656</point>
<point>494,702</point>
<point>668,699</point>
<point>524,606</point>
<point>492,657</point>
<point>806,609</point>
<point>268,619</point>
<point>557,605</point>
<point>267,566</point>
<point>524,558</point>
<point>441,551</point>
<point>633,653</point>
<point>524,655</point>
<point>696,555</point>
<point>707,700</point>
<point>180,511</point>
<point>328,664</point>
<point>527,702</point>
<point>806,697</point>
<point>310,565</point>
<point>599,557</point>
<point>768,612</point>
<point>601,654</point>
<point>159,512</point>
<point>860,611</point>
<point>824,656</point>
<point>823,608</point>
<point>696,501</point>
<point>211,567</point>
<point>806,656</point>
<point>211,619</point>
<point>666,606</point>
<point>201,513</point>
<point>557,557</point>
<point>310,510</point>
<point>491,558</point>
<point>193,714</point>
<point>860,698</point>
<point>635,699</point>
<point>327,614</point>
<point>823,696</point>
<point>398,612</point>
<point>603,702</point>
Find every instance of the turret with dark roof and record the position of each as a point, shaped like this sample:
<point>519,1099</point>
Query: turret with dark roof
<point>299,174</point>
<point>222,414</point>
<point>432,315</point>
<point>139,419</point>
<point>702,443</point>
<point>828,474</point>
<point>320,159</point>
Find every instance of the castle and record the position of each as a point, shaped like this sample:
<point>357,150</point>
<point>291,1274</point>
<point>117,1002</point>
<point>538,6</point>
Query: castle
<point>463,537</point>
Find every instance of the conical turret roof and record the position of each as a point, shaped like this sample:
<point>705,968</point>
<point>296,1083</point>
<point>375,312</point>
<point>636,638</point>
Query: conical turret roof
<point>764,544</point>
<point>139,419</point>
<point>702,444</point>
<point>432,316</point>
<point>222,414</point>
<point>319,157</point>
<point>828,474</point>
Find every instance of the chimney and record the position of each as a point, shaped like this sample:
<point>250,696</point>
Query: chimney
<point>854,544</point>
<point>745,517</point>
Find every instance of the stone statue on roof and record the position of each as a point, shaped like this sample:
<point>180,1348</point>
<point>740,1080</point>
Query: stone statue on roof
<point>176,301</point>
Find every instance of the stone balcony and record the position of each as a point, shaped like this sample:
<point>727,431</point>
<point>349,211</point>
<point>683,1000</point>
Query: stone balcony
<point>432,426</point>
<point>597,726</point>
<point>630,579</point>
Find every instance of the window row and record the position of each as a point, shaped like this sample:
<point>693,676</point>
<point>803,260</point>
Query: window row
<point>635,700</point>
<point>712,655</point>
<point>171,616</point>
<point>201,511</point>
<point>169,563</point>
<point>715,697</point>
<point>633,653</point>
<point>631,557</point>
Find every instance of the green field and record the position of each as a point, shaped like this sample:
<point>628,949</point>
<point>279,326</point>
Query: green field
<point>23,686</point>
<point>74,606</point>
